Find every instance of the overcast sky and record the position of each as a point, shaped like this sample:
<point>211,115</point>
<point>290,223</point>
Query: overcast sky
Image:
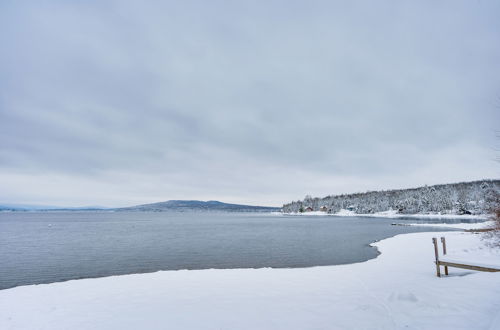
<point>262,102</point>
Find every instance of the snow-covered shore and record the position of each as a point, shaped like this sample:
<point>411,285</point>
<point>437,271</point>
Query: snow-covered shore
<point>392,214</point>
<point>398,289</point>
<point>465,226</point>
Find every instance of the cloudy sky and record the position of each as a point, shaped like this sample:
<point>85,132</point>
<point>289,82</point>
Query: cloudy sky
<point>125,102</point>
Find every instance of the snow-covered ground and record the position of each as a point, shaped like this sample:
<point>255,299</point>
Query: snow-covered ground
<point>397,290</point>
<point>465,226</point>
<point>392,214</point>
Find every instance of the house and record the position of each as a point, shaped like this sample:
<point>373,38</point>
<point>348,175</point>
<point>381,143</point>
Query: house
<point>323,209</point>
<point>309,209</point>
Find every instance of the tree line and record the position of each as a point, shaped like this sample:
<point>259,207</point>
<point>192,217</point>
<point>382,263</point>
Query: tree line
<point>477,197</point>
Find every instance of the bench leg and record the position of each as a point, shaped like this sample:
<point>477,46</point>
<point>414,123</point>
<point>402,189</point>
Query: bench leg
<point>436,253</point>
<point>443,240</point>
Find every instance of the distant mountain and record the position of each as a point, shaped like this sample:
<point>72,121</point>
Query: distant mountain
<point>173,205</point>
<point>28,207</point>
<point>23,207</point>
<point>193,205</point>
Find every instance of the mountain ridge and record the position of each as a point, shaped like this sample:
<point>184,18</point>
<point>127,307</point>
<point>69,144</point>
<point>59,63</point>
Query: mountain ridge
<point>176,204</point>
<point>196,205</point>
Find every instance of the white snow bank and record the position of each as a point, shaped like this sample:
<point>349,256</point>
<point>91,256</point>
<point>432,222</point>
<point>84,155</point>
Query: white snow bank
<point>397,290</point>
<point>465,226</point>
<point>304,213</point>
<point>314,213</point>
<point>345,213</point>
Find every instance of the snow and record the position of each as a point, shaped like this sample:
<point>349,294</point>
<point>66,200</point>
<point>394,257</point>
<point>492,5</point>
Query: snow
<point>398,289</point>
<point>393,214</point>
<point>314,213</point>
<point>307,213</point>
<point>465,226</point>
<point>470,262</point>
<point>479,255</point>
<point>345,213</point>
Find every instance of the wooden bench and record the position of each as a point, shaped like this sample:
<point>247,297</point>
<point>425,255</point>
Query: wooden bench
<point>457,264</point>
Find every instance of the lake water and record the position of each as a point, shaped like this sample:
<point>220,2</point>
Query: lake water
<point>45,247</point>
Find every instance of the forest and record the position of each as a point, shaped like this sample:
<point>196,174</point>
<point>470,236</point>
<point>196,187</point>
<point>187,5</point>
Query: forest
<point>477,197</point>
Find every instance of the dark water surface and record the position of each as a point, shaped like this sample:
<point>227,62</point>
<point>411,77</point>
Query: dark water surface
<point>45,247</point>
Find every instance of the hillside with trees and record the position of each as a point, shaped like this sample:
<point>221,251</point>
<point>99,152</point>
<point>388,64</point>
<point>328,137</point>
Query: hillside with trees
<point>475,197</point>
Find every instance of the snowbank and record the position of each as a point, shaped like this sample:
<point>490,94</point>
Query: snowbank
<point>397,290</point>
<point>465,226</point>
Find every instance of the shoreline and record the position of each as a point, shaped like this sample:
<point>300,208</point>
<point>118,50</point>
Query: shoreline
<point>460,226</point>
<point>370,243</point>
<point>391,214</point>
<point>464,226</point>
<point>396,289</point>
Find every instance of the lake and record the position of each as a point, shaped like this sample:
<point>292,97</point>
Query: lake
<point>45,247</point>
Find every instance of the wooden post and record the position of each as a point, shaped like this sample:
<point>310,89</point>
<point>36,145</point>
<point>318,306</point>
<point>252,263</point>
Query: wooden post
<point>443,240</point>
<point>436,252</point>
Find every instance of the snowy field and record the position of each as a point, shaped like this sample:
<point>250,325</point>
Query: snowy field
<point>397,290</point>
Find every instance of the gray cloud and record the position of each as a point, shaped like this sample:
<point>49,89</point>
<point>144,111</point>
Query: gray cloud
<point>116,102</point>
